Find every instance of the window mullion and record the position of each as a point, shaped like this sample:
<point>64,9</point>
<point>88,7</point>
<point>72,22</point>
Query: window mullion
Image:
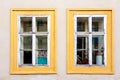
<point>75,44</point>
<point>75,39</point>
<point>90,24</point>
<point>105,22</point>
<point>19,42</point>
<point>90,40</point>
<point>33,40</point>
<point>90,49</point>
<point>33,24</point>
<point>105,61</point>
<point>19,52</point>
<point>33,49</point>
<point>48,40</point>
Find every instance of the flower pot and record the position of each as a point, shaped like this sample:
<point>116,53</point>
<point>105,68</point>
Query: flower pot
<point>99,58</point>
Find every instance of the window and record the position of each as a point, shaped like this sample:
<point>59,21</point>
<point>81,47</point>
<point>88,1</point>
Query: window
<point>33,43</point>
<point>34,40</point>
<point>90,31</point>
<point>89,41</point>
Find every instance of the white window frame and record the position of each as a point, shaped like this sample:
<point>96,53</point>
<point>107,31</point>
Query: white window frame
<point>89,35</point>
<point>34,34</point>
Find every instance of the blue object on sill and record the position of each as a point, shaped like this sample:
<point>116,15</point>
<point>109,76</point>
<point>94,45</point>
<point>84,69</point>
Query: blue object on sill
<point>42,60</point>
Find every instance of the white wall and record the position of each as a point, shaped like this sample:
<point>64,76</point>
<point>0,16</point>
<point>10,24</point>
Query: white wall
<point>61,6</point>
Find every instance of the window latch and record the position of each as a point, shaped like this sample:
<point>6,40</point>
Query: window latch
<point>90,32</point>
<point>33,32</point>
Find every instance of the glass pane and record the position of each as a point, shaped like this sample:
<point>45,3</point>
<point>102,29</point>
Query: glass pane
<point>41,23</point>
<point>82,24</point>
<point>27,57</point>
<point>82,42</point>
<point>98,50</point>
<point>41,57</point>
<point>26,42</point>
<point>97,24</point>
<point>26,24</point>
<point>82,57</point>
<point>41,42</point>
<point>82,50</point>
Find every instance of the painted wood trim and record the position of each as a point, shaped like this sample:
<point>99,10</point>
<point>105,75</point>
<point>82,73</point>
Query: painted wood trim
<point>90,70</point>
<point>90,9</point>
<point>14,68</point>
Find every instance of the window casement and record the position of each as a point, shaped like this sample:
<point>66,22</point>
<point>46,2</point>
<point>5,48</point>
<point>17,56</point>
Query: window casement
<point>89,41</point>
<point>33,43</point>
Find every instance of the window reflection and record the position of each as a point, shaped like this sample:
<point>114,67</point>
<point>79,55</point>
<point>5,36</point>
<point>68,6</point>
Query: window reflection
<point>97,24</point>
<point>82,50</point>
<point>98,50</point>
<point>82,24</point>
<point>26,24</point>
<point>41,24</point>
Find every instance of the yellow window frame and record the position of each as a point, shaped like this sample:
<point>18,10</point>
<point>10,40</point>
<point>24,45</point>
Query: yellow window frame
<point>14,68</point>
<point>71,68</point>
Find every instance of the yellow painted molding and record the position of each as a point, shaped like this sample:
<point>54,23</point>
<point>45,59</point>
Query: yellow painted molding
<point>14,68</point>
<point>90,9</point>
<point>33,9</point>
<point>71,68</point>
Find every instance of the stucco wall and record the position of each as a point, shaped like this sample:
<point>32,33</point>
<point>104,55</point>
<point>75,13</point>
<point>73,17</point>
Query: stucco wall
<point>61,6</point>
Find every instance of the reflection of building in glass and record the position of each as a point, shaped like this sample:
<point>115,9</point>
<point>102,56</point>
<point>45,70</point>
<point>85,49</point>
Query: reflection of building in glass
<point>26,24</point>
<point>41,23</point>
<point>82,24</point>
